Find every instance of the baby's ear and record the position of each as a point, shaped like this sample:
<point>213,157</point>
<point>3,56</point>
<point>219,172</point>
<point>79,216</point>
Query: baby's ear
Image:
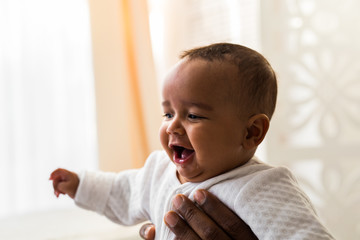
<point>257,128</point>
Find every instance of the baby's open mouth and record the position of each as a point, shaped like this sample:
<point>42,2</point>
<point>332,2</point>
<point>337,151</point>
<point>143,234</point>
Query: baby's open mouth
<point>181,154</point>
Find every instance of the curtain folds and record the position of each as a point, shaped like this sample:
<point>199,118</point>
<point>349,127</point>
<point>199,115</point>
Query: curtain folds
<point>127,98</point>
<point>47,107</point>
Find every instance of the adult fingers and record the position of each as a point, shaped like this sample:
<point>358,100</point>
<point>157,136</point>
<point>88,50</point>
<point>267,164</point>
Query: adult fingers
<point>179,227</point>
<point>233,225</point>
<point>199,222</point>
<point>147,231</point>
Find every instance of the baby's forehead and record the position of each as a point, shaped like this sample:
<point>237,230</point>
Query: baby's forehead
<point>225,72</point>
<point>224,76</point>
<point>202,70</point>
<point>223,69</point>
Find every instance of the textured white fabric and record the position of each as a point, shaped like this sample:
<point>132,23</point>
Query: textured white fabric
<point>267,198</point>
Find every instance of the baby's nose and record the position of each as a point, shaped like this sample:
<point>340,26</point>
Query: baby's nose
<point>175,127</point>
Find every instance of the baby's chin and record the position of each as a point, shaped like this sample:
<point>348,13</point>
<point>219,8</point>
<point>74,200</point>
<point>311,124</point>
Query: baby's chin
<point>193,176</point>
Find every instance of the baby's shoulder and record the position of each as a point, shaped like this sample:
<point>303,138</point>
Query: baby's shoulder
<point>270,171</point>
<point>256,175</point>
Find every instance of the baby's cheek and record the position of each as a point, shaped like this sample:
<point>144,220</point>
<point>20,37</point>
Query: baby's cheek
<point>164,137</point>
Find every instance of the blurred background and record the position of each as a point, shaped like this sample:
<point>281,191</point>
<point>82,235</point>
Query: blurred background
<point>80,89</point>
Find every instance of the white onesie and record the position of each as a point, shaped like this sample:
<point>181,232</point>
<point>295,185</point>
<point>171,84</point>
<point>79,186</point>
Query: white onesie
<point>267,198</point>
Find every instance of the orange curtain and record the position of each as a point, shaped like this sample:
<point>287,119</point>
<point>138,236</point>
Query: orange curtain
<point>127,96</point>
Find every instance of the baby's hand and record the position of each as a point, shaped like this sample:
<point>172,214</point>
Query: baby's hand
<point>64,182</point>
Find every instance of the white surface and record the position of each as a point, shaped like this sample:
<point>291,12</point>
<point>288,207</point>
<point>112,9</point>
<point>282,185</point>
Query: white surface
<point>66,224</point>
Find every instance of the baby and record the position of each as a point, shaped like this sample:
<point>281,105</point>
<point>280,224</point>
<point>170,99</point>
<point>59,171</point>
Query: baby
<point>218,101</point>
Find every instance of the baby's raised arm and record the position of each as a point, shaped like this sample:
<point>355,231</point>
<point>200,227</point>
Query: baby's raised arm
<point>64,182</point>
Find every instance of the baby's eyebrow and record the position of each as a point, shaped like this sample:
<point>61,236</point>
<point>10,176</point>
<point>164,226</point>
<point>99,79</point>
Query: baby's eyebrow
<point>165,103</point>
<point>191,104</point>
<point>199,105</point>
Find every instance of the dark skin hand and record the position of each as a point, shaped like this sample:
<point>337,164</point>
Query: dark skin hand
<point>214,221</point>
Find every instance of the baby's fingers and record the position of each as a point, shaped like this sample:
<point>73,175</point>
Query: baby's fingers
<point>68,188</point>
<point>59,174</point>
<point>64,182</point>
<point>56,183</point>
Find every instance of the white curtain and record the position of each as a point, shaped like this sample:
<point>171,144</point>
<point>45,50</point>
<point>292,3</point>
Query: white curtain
<point>47,110</point>
<point>202,22</point>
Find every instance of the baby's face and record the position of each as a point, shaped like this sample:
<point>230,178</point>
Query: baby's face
<point>202,132</point>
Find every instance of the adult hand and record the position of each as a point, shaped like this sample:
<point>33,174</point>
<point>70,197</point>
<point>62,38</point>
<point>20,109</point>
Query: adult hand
<point>147,231</point>
<point>215,221</point>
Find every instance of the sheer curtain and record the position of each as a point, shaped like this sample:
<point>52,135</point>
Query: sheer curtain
<point>47,110</point>
<point>127,97</point>
<point>179,25</point>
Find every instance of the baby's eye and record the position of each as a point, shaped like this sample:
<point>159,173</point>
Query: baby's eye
<point>168,115</point>
<point>194,117</point>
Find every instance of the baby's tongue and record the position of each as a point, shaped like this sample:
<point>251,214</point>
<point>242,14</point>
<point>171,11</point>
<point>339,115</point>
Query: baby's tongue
<point>186,152</point>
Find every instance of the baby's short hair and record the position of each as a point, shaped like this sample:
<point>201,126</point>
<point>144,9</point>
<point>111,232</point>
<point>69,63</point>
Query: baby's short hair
<point>256,78</point>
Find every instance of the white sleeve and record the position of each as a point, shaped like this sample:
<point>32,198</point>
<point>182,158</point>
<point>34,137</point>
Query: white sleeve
<point>122,197</point>
<point>94,190</point>
<point>274,206</point>
<point>115,196</point>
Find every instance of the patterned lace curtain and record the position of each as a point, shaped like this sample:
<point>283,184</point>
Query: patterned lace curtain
<point>314,46</point>
<point>47,110</point>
